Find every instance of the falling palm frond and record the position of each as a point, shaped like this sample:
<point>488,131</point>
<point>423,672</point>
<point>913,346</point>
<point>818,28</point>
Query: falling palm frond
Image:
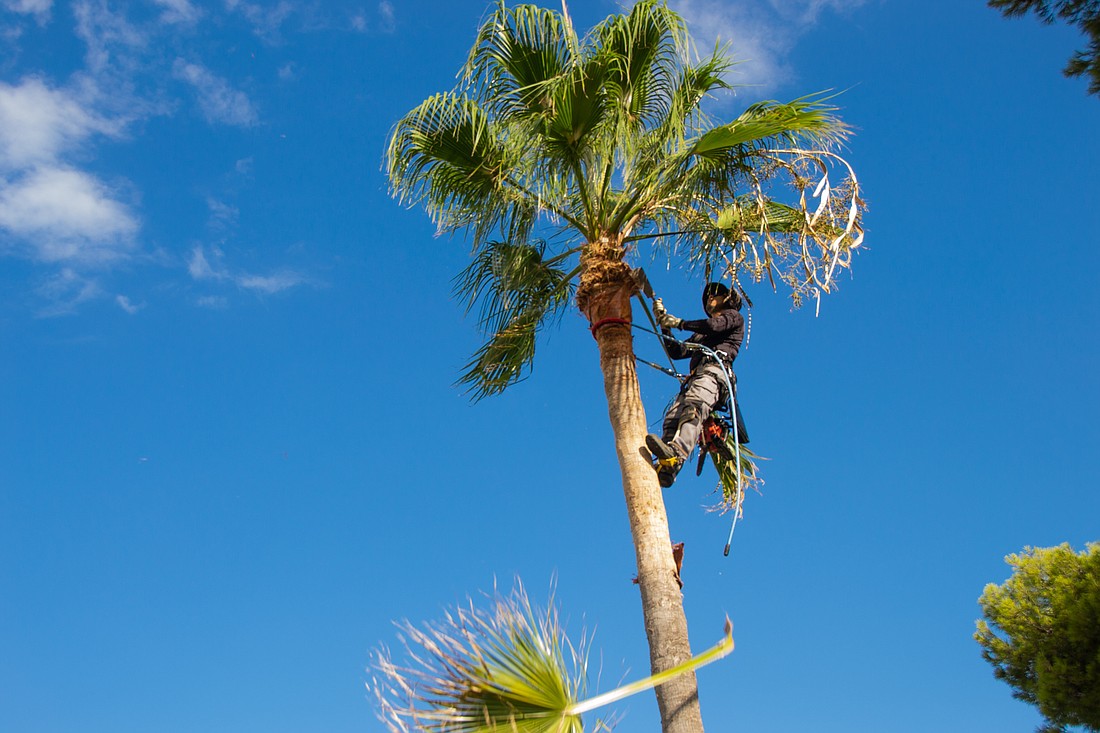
<point>510,669</point>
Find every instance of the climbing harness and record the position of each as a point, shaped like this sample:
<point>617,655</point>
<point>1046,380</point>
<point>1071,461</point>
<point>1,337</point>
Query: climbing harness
<point>717,425</point>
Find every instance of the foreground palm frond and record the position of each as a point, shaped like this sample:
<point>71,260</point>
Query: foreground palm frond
<point>507,670</point>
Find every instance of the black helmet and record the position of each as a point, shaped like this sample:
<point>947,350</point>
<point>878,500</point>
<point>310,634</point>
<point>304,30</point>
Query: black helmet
<point>732,299</point>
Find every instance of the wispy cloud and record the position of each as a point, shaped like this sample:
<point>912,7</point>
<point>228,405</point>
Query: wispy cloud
<point>385,21</point>
<point>127,305</point>
<point>80,222</point>
<point>178,12</point>
<point>386,17</point>
<point>218,100</point>
<point>222,215</point>
<point>105,33</point>
<point>807,11</point>
<point>266,20</point>
<point>270,284</point>
<point>65,291</point>
<point>38,8</point>
<point>760,33</point>
<point>215,302</point>
<point>201,268</point>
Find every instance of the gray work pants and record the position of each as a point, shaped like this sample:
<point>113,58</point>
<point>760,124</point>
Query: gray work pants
<point>700,393</point>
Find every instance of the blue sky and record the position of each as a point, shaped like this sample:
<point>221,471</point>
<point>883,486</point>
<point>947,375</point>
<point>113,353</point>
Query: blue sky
<point>231,453</point>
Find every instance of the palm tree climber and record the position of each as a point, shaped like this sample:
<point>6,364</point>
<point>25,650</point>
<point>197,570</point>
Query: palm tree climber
<point>564,156</point>
<point>722,332</point>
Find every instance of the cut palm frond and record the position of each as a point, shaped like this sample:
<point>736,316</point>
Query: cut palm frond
<point>730,485</point>
<point>510,669</point>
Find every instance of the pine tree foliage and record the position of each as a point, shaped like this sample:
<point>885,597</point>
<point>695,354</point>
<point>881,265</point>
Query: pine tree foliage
<point>1085,14</point>
<point>1041,633</point>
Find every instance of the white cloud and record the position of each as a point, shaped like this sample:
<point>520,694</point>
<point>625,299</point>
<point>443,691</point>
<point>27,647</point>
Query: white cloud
<point>127,305</point>
<point>270,284</point>
<point>37,124</point>
<point>51,212</point>
<point>760,34</point>
<point>178,11</point>
<point>105,32</point>
<point>212,301</point>
<point>218,101</point>
<point>756,41</point>
<point>222,215</point>
<point>266,21</point>
<point>65,291</point>
<point>385,12</point>
<point>201,268</point>
<point>66,215</point>
<point>806,11</point>
<point>39,8</point>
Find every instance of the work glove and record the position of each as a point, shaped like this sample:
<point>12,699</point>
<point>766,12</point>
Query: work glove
<point>667,320</point>
<point>658,308</point>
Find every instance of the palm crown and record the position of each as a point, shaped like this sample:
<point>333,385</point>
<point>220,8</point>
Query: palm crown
<point>562,154</point>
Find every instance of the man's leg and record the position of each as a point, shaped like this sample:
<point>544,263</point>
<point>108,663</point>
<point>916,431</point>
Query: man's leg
<point>682,424</point>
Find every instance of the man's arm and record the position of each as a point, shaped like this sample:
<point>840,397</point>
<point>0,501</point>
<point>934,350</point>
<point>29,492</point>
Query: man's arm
<point>723,322</point>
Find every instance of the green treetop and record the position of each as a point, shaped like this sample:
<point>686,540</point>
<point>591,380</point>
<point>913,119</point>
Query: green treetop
<point>1041,633</point>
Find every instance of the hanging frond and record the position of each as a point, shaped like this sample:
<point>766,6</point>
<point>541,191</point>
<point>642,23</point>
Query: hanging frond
<point>510,669</point>
<point>730,485</point>
<point>518,291</point>
<point>446,155</point>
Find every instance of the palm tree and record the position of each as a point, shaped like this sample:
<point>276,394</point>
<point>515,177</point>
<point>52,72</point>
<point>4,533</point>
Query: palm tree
<point>564,157</point>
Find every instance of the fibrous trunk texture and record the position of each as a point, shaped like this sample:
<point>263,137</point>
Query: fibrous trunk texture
<point>662,602</point>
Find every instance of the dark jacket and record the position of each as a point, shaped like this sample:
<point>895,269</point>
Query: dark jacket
<point>724,331</point>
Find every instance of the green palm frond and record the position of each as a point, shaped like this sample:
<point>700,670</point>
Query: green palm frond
<point>518,56</point>
<point>696,82</point>
<point>579,110</point>
<point>518,291</point>
<point>763,124</point>
<point>604,136</point>
<point>507,670</point>
<point>731,486</point>
<point>642,52</point>
<point>447,155</point>
<point>510,669</point>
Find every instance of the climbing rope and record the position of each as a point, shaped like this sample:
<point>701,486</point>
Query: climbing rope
<point>731,404</point>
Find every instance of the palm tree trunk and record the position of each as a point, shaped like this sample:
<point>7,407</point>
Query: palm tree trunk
<point>662,602</point>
